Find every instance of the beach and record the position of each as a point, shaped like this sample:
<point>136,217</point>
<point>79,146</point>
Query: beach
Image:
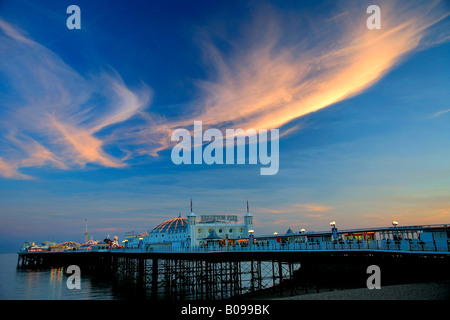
<point>439,290</point>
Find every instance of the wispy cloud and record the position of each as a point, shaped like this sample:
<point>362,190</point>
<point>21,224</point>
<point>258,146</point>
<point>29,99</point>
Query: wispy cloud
<point>50,102</point>
<point>266,81</point>
<point>9,170</point>
<point>275,71</point>
<point>270,84</point>
<point>440,113</point>
<point>300,208</point>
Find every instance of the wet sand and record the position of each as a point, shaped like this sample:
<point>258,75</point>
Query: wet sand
<point>439,290</point>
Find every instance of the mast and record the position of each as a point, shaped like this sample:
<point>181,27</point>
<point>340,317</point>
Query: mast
<point>86,233</point>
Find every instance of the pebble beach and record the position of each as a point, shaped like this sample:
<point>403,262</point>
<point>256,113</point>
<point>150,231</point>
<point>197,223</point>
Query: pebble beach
<point>417,291</point>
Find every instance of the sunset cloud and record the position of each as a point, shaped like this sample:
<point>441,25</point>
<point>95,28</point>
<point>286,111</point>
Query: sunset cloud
<point>52,102</point>
<point>313,208</point>
<point>9,170</point>
<point>266,81</point>
<point>278,68</point>
<point>270,84</point>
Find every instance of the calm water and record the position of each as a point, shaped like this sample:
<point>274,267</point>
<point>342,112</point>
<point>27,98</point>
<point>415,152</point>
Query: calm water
<point>51,284</point>
<point>23,284</point>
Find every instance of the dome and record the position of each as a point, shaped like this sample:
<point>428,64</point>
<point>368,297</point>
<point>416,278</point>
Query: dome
<point>174,225</point>
<point>69,244</point>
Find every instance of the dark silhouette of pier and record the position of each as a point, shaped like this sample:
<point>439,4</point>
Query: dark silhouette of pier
<point>230,274</point>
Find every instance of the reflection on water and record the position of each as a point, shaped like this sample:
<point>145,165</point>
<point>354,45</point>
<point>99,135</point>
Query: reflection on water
<point>51,284</point>
<point>48,284</point>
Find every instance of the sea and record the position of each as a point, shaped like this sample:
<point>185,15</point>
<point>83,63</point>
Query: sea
<point>52,284</point>
<point>49,284</point>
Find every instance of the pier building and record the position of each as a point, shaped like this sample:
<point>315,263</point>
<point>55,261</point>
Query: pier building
<point>191,232</point>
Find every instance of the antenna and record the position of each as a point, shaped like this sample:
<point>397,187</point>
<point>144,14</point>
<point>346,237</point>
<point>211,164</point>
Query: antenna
<point>86,234</point>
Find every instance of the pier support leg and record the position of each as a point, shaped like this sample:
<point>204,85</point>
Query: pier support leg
<point>155,278</point>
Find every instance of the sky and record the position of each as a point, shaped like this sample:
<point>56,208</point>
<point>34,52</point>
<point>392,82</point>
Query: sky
<point>86,115</point>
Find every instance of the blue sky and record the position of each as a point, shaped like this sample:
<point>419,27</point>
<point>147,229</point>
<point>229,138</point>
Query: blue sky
<point>86,115</point>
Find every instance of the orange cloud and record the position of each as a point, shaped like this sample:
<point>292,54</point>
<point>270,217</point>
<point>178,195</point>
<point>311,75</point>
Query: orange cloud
<point>313,207</point>
<point>298,207</point>
<point>82,147</point>
<point>9,170</point>
<point>56,107</point>
<point>269,84</point>
<point>265,83</point>
<point>37,154</point>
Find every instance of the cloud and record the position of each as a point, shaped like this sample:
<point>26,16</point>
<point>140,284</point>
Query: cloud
<point>54,116</point>
<point>82,147</point>
<point>278,71</point>
<point>33,153</point>
<point>270,84</point>
<point>9,170</point>
<point>313,208</point>
<point>440,113</point>
<point>280,67</point>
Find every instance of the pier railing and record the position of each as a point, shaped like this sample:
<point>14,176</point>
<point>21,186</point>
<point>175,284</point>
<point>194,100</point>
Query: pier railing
<point>439,246</point>
<point>436,246</point>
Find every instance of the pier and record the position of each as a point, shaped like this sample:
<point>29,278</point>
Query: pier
<point>218,273</point>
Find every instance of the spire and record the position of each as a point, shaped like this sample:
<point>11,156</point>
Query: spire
<point>192,213</point>
<point>248,211</point>
<point>86,233</point>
